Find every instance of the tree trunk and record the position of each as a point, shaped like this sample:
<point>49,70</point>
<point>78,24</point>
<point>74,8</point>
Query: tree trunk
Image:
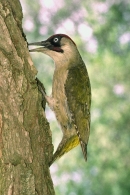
<point>25,137</point>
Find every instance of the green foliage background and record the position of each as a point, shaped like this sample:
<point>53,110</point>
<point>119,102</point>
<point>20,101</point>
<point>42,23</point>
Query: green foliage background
<point>106,54</point>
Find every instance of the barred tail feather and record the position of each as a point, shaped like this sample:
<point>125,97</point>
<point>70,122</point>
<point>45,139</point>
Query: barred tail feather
<point>83,144</point>
<point>84,149</point>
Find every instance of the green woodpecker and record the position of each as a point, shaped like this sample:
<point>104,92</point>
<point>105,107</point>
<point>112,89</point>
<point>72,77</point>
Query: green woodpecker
<point>71,92</point>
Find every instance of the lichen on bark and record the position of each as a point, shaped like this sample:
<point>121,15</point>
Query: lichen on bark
<point>25,136</point>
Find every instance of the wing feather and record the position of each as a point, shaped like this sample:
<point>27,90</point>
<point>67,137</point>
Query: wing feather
<point>78,92</point>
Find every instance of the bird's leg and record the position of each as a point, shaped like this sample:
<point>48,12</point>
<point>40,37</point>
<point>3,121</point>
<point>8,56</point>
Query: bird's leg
<point>49,100</point>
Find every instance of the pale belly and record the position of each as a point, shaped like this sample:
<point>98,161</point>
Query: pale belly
<point>60,106</point>
<point>61,109</point>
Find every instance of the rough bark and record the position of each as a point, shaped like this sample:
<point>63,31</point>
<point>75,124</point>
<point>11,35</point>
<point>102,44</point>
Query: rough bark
<point>25,137</point>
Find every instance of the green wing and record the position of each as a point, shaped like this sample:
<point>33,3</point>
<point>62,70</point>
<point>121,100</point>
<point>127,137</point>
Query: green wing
<point>78,92</point>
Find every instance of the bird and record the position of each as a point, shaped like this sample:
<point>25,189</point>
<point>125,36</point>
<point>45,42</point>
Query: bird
<point>71,93</point>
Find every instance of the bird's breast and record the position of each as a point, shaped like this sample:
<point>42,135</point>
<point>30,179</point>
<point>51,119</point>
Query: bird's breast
<point>58,93</point>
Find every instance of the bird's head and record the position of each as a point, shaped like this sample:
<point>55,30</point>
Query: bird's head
<point>59,47</point>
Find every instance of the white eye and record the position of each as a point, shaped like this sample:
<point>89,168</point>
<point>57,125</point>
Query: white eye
<point>55,40</point>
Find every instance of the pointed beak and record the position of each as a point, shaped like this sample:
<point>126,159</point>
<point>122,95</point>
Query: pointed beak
<point>44,45</point>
